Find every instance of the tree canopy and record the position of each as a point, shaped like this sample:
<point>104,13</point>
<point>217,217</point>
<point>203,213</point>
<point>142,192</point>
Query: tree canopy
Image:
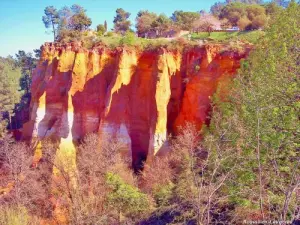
<point>185,20</point>
<point>51,19</point>
<point>247,16</point>
<point>68,21</point>
<point>144,21</point>
<point>10,75</point>
<point>121,21</point>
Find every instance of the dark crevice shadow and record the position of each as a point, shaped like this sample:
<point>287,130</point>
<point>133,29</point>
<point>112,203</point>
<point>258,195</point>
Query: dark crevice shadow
<point>89,104</point>
<point>143,108</point>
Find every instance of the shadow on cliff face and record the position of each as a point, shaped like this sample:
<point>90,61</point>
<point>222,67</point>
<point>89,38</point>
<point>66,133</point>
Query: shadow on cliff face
<point>55,121</point>
<point>177,87</point>
<point>89,104</point>
<point>37,81</point>
<point>134,104</point>
<point>143,114</point>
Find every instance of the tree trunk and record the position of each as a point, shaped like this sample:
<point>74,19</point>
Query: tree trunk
<point>54,35</point>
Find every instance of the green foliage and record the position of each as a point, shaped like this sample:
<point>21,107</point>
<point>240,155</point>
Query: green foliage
<point>67,23</point>
<point>105,25</point>
<point>264,111</point>
<point>246,16</point>
<point>27,63</point>
<point>10,75</point>
<point>109,34</point>
<point>79,22</point>
<point>121,21</point>
<point>272,8</point>
<point>127,199</point>
<point>163,195</point>
<point>129,39</point>
<point>249,36</point>
<point>51,19</point>
<point>144,21</point>
<point>185,20</point>
<point>100,29</point>
<point>16,216</point>
<point>216,8</point>
<point>161,24</point>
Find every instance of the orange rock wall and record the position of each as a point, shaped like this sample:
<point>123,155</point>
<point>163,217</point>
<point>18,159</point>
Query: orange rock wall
<point>138,97</point>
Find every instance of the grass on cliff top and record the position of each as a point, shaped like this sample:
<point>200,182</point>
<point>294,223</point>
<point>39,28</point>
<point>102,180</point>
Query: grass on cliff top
<point>113,40</point>
<point>248,36</point>
<point>131,40</point>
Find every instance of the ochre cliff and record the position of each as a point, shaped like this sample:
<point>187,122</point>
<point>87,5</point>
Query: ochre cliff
<point>137,96</point>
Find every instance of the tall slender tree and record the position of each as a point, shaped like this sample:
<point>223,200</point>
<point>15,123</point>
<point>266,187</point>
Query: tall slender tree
<point>105,25</point>
<point>51,19</point>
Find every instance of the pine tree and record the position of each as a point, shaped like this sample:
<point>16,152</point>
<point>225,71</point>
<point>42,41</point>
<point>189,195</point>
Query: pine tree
<point>10,75</point>
<point>105,25</point>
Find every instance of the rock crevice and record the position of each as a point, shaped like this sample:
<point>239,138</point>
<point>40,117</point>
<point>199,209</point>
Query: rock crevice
<point>139,97</point>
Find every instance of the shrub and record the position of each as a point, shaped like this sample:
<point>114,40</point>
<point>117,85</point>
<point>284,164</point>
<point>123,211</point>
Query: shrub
<point>124,197</point>
<point>128,39</point>
<point>197,68</point>
<point>88,42</point>
<point>100,33</point>
<point>163,194</point>
<point>100,29</point>
<point>109,34</point>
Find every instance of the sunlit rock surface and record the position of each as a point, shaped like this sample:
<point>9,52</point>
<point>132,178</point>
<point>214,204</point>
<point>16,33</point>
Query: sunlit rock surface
<point>139,97</point>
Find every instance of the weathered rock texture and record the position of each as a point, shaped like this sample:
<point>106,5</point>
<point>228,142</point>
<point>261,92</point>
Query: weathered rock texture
<point>139,97</point>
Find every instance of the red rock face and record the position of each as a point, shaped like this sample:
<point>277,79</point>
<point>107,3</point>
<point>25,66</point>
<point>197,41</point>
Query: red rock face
<point>138,97</point>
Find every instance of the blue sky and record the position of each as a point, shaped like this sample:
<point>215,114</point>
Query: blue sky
<point>22,28</point>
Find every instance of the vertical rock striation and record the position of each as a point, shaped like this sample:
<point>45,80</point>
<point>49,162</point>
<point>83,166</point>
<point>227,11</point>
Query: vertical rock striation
<point>138,97</point>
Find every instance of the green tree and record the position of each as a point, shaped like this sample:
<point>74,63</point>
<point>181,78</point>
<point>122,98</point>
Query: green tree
<point>72,22</point>
<point>216,8</point>
<point>272,8</point>
<point>77,9</point>
<point>264,111</point>
<point>161,24</point>
<point>254,11</point>
<point>105,25</point>
<point>51,19</point>
<point>10,75</point>
<point>185,20</point>
<point>233,12</point>
<point>144,21</point>
<point>79,22</point>
<point>121,21</point>
<point>239,14</point>
<point>27,63</point>
<point>128,200</point>
<point>101,29</point>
